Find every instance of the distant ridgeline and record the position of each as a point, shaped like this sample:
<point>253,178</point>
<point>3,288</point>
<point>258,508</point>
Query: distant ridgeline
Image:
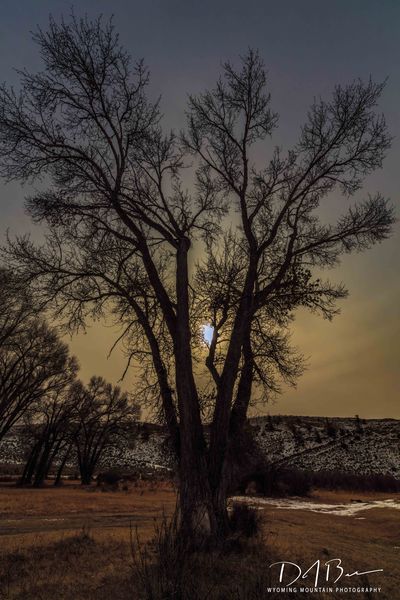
<point>350,445</point>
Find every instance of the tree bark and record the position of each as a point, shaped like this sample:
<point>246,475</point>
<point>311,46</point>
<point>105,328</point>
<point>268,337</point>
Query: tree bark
<point>220,428</point>
<point>196,510</point>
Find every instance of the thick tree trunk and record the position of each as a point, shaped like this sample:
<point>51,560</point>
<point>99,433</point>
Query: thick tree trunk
<point>86,475</point>
<point>196,509</point>
<point>30,466</point>
<point>41,469</point>
<point>227,447</point>
<point>221,430</point>
<point>240,407</point>
<point>85,468</point>
<point>220,499</point>
<point>243,455</point>
<point>195,501</point>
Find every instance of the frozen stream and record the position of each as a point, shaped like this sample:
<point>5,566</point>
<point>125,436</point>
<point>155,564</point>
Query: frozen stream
<point>343,510</point>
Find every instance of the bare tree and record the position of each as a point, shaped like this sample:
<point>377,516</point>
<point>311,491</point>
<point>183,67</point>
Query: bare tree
<point>96,277</point>
<point>85,125</point>
<point>105,416</point>
<point>49,430</point>
<point>34,363</point>
<point>17,308</point>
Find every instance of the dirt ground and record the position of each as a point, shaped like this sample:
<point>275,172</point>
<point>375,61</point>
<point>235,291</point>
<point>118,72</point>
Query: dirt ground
<point>41,521</point>
<point>34,515</point>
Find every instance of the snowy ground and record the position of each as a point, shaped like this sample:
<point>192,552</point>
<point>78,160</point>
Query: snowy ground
<point>343,510</point>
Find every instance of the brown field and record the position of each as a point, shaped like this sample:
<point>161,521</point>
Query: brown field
<point>73,543</point>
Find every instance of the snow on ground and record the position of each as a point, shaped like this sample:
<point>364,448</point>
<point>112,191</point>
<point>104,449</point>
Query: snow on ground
<point>343,510</point>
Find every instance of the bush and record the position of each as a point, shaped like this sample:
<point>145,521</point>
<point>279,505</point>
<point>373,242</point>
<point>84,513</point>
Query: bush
<point>331,429</point>
<point>272,480</point>
<point>336,480</point>
<point>167,570</point>
<point>244,520</point>
<point>117,479</point>
<point>280,481</point>
<point>109,478</point>
<point>163,568</point>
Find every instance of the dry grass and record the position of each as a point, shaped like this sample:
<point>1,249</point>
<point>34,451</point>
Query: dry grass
<point>74,568</point>
<point>44,555</point>
<point>37,516</point>
<point>366,544</point>
<point>72,498</point>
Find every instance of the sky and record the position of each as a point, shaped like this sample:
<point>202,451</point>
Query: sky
<point>308,46</point>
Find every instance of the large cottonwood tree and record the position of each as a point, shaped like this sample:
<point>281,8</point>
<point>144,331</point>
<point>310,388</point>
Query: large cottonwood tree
<point>122,227</point>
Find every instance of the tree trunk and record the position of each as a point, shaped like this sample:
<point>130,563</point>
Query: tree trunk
<point>31,463</point>
<point>51,458</point>
<point>220,427</point>
<point>220,501</point>
<point>61,466</point>
<point>42,466</point>
<point>195,500</point>
<point>86,475</point>
<point>196,510</point>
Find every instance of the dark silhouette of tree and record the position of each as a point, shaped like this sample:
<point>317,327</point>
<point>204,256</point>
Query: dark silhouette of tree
<point>359,426</point>
<point>105,417</point>
<point>121,226</point>
<point>17,308</point>
<point>50,430</point>
<point>34,363</point>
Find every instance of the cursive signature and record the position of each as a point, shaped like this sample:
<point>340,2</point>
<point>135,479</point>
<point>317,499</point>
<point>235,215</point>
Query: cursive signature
<point>333,568</point>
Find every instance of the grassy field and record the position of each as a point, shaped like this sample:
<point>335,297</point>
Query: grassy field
<point>73,543</point>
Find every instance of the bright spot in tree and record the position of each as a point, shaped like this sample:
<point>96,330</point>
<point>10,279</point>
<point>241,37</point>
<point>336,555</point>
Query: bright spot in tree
<point>208,331</point>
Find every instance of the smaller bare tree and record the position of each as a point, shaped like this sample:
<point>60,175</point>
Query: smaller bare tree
<point>34,363</point>
<point>105,417</point>
<point>49,429</point>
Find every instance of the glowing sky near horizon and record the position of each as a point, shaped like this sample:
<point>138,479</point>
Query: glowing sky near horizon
<point>308,47</point>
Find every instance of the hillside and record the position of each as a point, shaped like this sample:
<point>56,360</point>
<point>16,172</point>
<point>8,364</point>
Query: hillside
<point>315,443</point>
<point>312,443</point>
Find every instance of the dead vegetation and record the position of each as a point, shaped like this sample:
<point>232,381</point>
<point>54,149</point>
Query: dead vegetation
<point>75,544</point>
<point>73,568</point>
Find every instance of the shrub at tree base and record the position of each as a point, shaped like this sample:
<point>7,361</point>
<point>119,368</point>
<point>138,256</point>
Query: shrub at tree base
<point>244,520</point>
